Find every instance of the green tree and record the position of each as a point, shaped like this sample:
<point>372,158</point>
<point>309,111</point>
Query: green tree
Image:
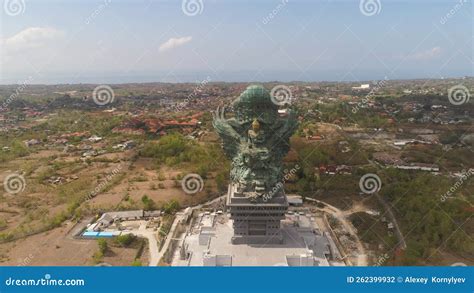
<point>148,203</point>
<point>125,240</point>
<point>102,245</point>
<point>171,207</point>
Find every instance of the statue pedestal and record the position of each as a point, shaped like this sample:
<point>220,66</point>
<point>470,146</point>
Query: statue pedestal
<point>256,222</point>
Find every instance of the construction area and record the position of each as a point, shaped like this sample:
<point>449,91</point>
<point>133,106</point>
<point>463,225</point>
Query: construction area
<point>208,242</point>
<point>313,233</point>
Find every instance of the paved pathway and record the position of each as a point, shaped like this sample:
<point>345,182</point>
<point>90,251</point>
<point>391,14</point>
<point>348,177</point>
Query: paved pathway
<point>152,244</point>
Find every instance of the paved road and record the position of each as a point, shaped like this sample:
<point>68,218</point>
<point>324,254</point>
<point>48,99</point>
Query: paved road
<point>179,217</point>
<point>155,253</point>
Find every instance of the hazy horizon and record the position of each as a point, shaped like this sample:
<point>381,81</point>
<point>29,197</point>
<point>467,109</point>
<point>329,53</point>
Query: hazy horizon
<point>199,77</point>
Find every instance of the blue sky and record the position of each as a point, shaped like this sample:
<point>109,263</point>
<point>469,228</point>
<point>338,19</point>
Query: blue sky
<point>143,41</point>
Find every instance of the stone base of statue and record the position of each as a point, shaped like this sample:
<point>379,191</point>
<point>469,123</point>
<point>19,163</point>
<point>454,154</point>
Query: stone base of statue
<point>256,221</point>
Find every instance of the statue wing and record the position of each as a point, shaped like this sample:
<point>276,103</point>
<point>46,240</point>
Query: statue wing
<point>230,137</point>
<point>285,131</point>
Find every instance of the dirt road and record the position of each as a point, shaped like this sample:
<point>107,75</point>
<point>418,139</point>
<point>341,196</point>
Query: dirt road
<point>362,259</point>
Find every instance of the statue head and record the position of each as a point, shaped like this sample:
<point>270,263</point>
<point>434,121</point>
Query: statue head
<point>255,125</point>
<point>256,101</point>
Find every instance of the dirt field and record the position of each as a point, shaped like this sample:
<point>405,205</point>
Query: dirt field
<point>58,248</point>
<point>116,182</point>
<point>41,200</point>
<point>124,256</point>
<point>54,247</point>
<point>143,179</point>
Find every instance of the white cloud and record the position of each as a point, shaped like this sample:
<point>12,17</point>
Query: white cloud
<point>31,38</point>
<point>425,55</point>
<point>174,43</point>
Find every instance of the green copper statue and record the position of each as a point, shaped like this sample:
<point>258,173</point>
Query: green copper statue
<point>256,140</point>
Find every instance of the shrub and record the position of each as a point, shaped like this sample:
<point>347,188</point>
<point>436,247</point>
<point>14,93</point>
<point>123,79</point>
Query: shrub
<point>125,240</point>
<point>137,263</point>
<point>102,245</point>
<point>171,207</point>
<point>148,203</point>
